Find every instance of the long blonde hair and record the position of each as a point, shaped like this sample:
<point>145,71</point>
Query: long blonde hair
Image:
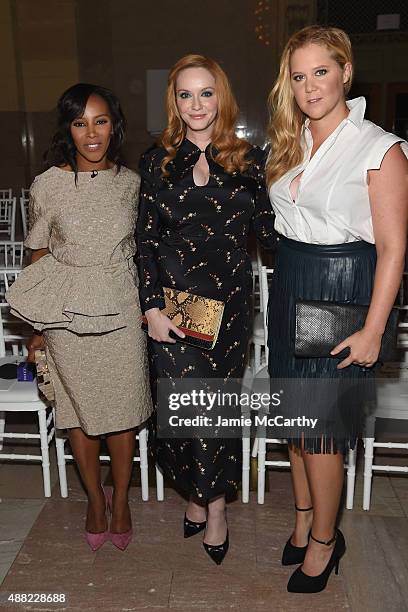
<point>231,150</point>
<point>286,118</point>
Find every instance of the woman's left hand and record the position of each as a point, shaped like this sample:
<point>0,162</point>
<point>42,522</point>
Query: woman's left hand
<point>364,349</point>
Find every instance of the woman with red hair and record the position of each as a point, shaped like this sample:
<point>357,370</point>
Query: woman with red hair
<point>202,188</point>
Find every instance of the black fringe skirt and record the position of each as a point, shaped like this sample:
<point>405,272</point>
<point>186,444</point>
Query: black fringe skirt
<point>313,388</point>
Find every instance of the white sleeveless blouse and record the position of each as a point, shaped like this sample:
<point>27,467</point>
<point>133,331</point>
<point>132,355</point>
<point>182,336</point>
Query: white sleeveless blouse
<point>332,204</point>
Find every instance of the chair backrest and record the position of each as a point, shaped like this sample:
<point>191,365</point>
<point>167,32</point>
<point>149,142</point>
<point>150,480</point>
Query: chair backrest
<point>264,287</point>
<point>11,254</point>
<point>402,304</point>
<point>25,193</point>
<point>13,332</point>
<point>6,194</point>
<point>8,277</point>
<point>8,217</point>
<point>24,214</point>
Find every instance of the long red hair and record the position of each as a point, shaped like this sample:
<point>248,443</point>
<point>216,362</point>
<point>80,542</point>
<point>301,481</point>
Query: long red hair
<point>230,150</point>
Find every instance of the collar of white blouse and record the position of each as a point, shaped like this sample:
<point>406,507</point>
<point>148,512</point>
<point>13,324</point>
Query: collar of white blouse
<point>354,119</point>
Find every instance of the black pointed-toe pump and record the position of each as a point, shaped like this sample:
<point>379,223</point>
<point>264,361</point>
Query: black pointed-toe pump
<point>294,555</point>
<point>191,528</point>
<point>300,582</point>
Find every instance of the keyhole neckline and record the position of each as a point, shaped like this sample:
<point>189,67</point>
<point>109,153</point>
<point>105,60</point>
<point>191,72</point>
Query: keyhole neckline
<point>191,145</point>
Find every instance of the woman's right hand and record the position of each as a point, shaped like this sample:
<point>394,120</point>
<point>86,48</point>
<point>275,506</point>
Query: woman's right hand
<point>159,326</point>
<point>35,343</point>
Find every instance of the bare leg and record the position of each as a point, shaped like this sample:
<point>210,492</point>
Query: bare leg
<point>196,511</point>
<point>85,450</point>
<point>303,499</point>
<point>325,473</point>
<point>121,447</point>
<point>216,531</point>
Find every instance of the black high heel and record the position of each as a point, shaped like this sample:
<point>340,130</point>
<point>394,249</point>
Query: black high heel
<point>293,555</point>
<point>217,553</point>
<point>191,528</point>
<point>300,582</point>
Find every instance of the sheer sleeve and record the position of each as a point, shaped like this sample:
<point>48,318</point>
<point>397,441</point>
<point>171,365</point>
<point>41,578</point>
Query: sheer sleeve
<point>39,227</point>
<point>148,237</point>
<point>263,220</point>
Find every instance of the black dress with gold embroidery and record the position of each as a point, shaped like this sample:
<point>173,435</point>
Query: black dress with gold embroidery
<point>194,239</point>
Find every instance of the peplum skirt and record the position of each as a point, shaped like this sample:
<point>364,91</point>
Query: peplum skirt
<point>96,351</point>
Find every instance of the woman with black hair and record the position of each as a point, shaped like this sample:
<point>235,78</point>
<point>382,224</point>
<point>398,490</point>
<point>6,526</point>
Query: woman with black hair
<point>80,296</point>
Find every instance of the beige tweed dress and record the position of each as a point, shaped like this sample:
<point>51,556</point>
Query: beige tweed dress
<point>83,296</point>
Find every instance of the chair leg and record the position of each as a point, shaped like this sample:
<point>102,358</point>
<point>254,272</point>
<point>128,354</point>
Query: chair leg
<point>144,473</point>
<point>62,469</point>
<point>368,471</point>
<point>246,447</point>
<point>261,469</point>
<point>2,426</point>
<point>351,478</point>
<point>159,484</point>
<point>257,358</point>
<point>42,424</point>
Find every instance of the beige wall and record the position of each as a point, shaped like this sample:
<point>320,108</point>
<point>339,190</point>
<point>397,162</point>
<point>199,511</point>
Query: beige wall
<point>47,45</point>
<point>39,61</point>
<point>380,63</point>
<point>51,44</point>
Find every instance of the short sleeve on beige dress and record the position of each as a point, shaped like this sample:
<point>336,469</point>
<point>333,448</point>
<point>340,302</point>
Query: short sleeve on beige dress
<point>39,229</point>
<point>83,296</point>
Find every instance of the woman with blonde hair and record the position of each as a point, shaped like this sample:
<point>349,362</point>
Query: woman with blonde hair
<point>201,189</point>
<point>338,187</point>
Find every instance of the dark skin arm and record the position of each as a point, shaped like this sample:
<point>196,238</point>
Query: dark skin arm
<point>36,341</point>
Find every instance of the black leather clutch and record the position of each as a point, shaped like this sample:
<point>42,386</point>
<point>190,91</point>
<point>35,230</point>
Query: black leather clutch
<point>320,326</point>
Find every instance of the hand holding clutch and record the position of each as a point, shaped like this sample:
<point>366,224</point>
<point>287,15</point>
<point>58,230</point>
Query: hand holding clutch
<point>195,319</point>
<point>160,327</point>
<point>364,349</point>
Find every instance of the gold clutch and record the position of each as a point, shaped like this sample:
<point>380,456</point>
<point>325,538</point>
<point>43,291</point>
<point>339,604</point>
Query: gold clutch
<point>197,316</point>
<point>44,381</point>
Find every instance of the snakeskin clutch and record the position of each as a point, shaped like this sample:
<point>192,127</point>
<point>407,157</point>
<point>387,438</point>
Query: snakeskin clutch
<point>320,326</point>
<point>44,381</point>
<point>197,316</point>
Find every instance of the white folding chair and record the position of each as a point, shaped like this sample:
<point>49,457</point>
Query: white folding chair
<point>62,457</point>
<point>23,397</point>
<point>258,336</point>
<point>8,218</point>
<point>12,326</point>
<point>246,442</point>
<point>24,214</point>
<point>259,447</point>
<point>141,458</point>
<point>25,193</point>
<point>6,194</point>
<point>11,255</point>
<point>263,463</point>
<point>264,275</point>
<point>260,320</point>
<point>392,403</point>
<point>14,329</point>
<point>256,264</point>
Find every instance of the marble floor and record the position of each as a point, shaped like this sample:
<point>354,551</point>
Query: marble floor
<point>42,550</point>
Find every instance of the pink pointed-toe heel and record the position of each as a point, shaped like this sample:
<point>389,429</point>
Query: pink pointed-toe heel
<point>120,540</point>
<point>96,540</point>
